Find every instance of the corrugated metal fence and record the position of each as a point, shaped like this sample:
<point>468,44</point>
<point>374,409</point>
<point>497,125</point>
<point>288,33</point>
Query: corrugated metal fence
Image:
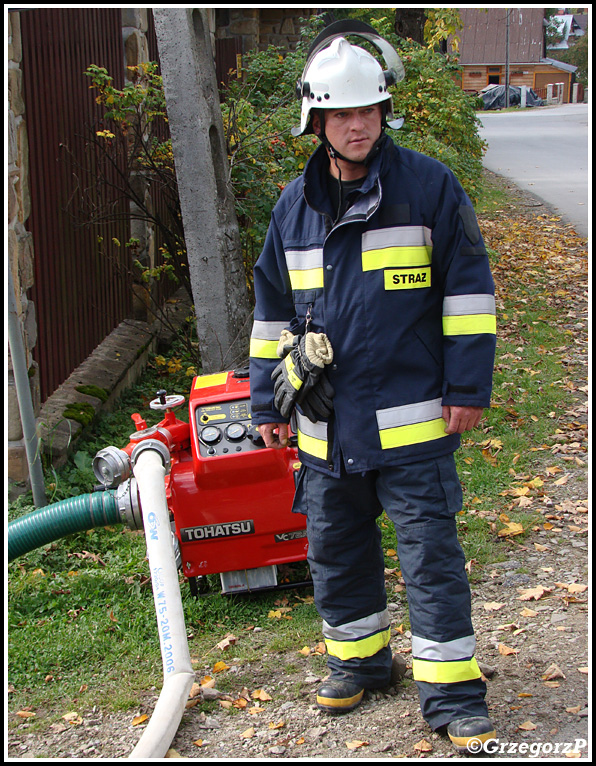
<point>82,287</point>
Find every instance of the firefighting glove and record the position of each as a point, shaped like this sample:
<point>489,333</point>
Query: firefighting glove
<point>297,374</point>
<point>287,342</point>
<point>318,402</point>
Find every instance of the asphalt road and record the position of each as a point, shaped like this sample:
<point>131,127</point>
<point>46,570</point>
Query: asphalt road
<point>544,151</point>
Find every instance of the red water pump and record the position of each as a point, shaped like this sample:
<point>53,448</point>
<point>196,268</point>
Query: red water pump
<point>229,496</point>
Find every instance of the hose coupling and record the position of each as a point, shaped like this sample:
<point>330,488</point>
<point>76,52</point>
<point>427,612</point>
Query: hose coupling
<point>111,467</point>
<point>156,446</point>
<point>129,504</point>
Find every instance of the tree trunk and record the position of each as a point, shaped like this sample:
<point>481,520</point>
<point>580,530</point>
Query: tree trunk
<point>409,22</point>
<point>210,226</point>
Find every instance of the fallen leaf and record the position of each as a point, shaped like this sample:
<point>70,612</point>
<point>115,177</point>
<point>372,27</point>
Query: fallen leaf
<point>25,714</point>
<point>512,528</point>
<point>355,744</point>
<point>573,587</point>
<point>584,670</point>
<point>552,672</point>
<point>527,726</point>
<point>304,651</point>
<point>198,742</point>
<point>492,606</point>
<point>220,666</point>
<point>171,753</point>
<point>507,650</point>
<point>73,718</point>
<point>228,641</point>
<point>575,709</point>
<point>261,694</point>
<point>525,612</point>
<point>278,725</point>
<point>562,480</point>
<point>139,719</point>
<point>423,746</point>
<point>248,733</point>
<point>533,593</point>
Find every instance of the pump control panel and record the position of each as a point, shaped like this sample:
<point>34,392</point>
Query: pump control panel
<point>226,428</point>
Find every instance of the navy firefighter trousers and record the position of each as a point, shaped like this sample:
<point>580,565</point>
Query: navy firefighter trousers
<point>347,567</point>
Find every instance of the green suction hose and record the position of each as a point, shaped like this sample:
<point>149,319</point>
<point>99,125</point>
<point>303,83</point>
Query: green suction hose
<point>76,514</point>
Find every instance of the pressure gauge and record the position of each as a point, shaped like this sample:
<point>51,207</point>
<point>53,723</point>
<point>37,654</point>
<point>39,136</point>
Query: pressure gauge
<point>235,432</point>
<point>210,435</point>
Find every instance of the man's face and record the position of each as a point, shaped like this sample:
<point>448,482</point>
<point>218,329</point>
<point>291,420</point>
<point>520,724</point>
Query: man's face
<point>352,132</point>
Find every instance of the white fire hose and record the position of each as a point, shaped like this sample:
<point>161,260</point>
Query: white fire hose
<point>149,467</point>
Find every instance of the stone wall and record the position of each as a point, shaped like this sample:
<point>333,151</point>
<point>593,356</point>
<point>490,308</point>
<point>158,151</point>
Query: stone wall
<point>260,27</point>
<point>20,246</point>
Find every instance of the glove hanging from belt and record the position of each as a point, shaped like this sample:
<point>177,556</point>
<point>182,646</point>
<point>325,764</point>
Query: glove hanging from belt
<point>299,378</point>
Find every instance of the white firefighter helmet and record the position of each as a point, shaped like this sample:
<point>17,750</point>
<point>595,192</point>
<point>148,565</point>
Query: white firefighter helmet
<point>339,75</point>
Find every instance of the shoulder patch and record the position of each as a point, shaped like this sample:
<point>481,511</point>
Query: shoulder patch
<point>468,217</point>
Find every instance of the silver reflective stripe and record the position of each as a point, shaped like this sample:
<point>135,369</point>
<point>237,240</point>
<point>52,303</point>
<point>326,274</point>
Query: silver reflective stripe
<point>408,414</point>
<point>316,430</point>
<point>303,260</point>
<point>475,303</point>
<point>447,651</point>
<point>352,631</point>
<point>267,330</point>
<point>364,206</point>
<point>397,236</point>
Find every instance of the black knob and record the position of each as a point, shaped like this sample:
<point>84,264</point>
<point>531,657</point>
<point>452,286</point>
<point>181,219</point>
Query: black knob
<point>162,395</point>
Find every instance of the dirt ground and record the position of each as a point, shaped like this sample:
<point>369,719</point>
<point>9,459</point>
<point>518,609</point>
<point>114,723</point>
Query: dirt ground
<point>530,612</point>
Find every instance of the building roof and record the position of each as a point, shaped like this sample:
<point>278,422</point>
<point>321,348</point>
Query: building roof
<point>559,65</point>
<point>484,34</point>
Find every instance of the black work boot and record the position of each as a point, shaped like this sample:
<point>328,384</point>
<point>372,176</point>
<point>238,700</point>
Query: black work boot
<point>338,696</point>
<point>470,734</point>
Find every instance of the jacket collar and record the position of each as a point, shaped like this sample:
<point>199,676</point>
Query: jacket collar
<point>317,168</point>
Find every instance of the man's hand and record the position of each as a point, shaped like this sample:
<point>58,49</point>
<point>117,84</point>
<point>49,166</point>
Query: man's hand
<point>272,439</point>
<point>460,419</point>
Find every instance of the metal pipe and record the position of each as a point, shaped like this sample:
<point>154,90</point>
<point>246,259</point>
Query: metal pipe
<point>21,378</point>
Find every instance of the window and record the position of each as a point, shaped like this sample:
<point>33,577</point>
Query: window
<point>494,75</point>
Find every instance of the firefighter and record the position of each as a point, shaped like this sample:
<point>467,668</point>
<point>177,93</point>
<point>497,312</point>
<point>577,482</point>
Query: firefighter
<point>375,330</point>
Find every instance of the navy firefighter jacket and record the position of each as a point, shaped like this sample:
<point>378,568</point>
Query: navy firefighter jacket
<point>402,287</point>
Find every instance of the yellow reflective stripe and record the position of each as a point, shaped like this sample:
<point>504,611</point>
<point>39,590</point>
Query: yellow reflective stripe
<point>314,447</point>
<point>263,349</point>
<point>363,647</point>
<point>407,279</point>
<point>416,433</point>
<point>470,324</point>
<point>206,381</point>
<point>394,257</point>
<point>295,381</point>
<point>306,279</point>
<point>445,672</point>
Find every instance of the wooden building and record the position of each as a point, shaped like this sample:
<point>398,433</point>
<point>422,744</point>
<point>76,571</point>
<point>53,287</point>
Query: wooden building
<point>491,38</point>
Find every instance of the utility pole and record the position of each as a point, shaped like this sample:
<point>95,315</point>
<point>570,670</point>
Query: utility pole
<point>507,59</point>
<point>212,237</point>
